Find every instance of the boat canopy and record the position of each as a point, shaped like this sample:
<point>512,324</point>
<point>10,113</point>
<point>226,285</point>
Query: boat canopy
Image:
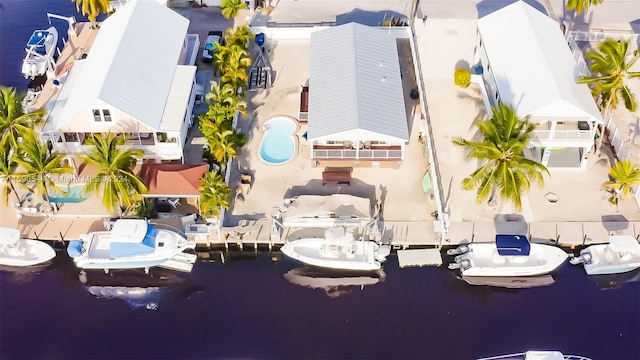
<point>512,245</point>
<point>38,38</point>
<point>317,208</point>
<point>131,237</point>
<point>9,236</point>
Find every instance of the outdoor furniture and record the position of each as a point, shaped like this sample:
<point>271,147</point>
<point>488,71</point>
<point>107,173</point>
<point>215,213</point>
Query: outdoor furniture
<point>245,182</point>
<point>336,178</point>
<point>174,202</point>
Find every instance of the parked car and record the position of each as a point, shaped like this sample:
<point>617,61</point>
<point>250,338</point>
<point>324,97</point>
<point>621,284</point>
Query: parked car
<point>210,47</point>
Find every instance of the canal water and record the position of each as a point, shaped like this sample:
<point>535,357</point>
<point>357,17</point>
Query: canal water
<point>253,307</point>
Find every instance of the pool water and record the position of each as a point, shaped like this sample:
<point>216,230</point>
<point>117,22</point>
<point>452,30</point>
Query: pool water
<point>73,195</point>
<point>278,144</point>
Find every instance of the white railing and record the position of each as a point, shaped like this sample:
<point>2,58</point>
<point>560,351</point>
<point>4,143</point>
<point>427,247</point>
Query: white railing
<point>622,151</point>
<point>361,155</point>
<point>562,135</point>
<point>193,44</point>
<point>172,150</point>
<point>579,58</point>
<point>601,35</point>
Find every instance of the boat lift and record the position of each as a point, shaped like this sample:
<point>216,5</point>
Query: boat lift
<point>261,72</point>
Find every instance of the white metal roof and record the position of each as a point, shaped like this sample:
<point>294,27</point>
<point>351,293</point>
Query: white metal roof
<point>355,88</point>
<point>178,100</point>
<point>533,65</point>
<point>131,65</point>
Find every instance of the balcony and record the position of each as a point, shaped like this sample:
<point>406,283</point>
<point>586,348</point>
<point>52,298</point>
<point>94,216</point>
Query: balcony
<point>338,153</point>
<point>565,134</point>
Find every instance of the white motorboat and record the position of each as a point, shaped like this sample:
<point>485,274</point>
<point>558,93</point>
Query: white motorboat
<point>130,244</point>
<point>537,355</point>
<point>15,251</point>
<point>510,255</point>
<point>338,250</point>
<point>41,49</point>
<point>621,254</point>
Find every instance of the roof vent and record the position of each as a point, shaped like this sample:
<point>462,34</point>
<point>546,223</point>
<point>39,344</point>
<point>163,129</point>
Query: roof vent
<point>381,63</point>
<point>384,78</point>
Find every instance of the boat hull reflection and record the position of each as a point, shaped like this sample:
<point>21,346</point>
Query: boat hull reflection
<point>335,283</point>
<point>511,282</point>
<point>139,290</point>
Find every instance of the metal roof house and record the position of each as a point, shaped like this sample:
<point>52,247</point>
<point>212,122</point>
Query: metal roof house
<point>531,67</point>
<point>356,109</point>
<point>138,80</point>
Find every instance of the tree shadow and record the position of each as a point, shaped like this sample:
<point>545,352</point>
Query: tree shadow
<point>371,18</point>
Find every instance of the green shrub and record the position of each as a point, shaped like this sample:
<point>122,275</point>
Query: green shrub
<point>462,77</point>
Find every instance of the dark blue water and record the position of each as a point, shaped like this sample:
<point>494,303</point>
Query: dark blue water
<point>18,19</point>
<point>247,309</point>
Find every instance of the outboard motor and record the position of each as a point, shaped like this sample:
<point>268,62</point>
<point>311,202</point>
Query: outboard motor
<point>459,250</point>
<point>383,251</point>
<point>464,264</point>
<point>584,258</point>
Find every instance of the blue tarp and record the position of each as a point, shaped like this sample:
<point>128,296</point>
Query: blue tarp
<point>512,245</point>
<point>146,246</point>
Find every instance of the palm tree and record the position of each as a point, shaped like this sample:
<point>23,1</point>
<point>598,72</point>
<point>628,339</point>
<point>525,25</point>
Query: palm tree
<point>14,123</point>
<point>8,167</point>
<point>223,146</point>
<point>92,8</point>
<point>214,194</point>
<point>505,171</point>
<point>220,94</point>
<point>231,8</point>
<point>581,6</point>
<point>624,176</point>
<point>610,67</point>
<point>115,181</point>
<point>38,167</point>
<point>240,36</point>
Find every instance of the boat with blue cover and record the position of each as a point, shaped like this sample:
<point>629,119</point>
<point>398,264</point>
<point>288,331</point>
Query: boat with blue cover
<point>41,49</point>
<point>509,255</point>
<point>131,244</point>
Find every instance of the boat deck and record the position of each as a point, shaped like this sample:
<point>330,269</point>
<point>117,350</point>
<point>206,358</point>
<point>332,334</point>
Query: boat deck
<point>100,246</point>
<point>75,47</point>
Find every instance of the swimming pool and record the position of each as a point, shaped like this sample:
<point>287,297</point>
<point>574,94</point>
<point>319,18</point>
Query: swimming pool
<point>278,144</point>
<point>73,195</point>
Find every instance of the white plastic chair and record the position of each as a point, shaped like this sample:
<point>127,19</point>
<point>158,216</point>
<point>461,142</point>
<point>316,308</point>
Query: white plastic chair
<point>174,202</point>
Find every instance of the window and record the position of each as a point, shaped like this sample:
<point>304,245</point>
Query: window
<point>106,114</point>
<point>102,115</point>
